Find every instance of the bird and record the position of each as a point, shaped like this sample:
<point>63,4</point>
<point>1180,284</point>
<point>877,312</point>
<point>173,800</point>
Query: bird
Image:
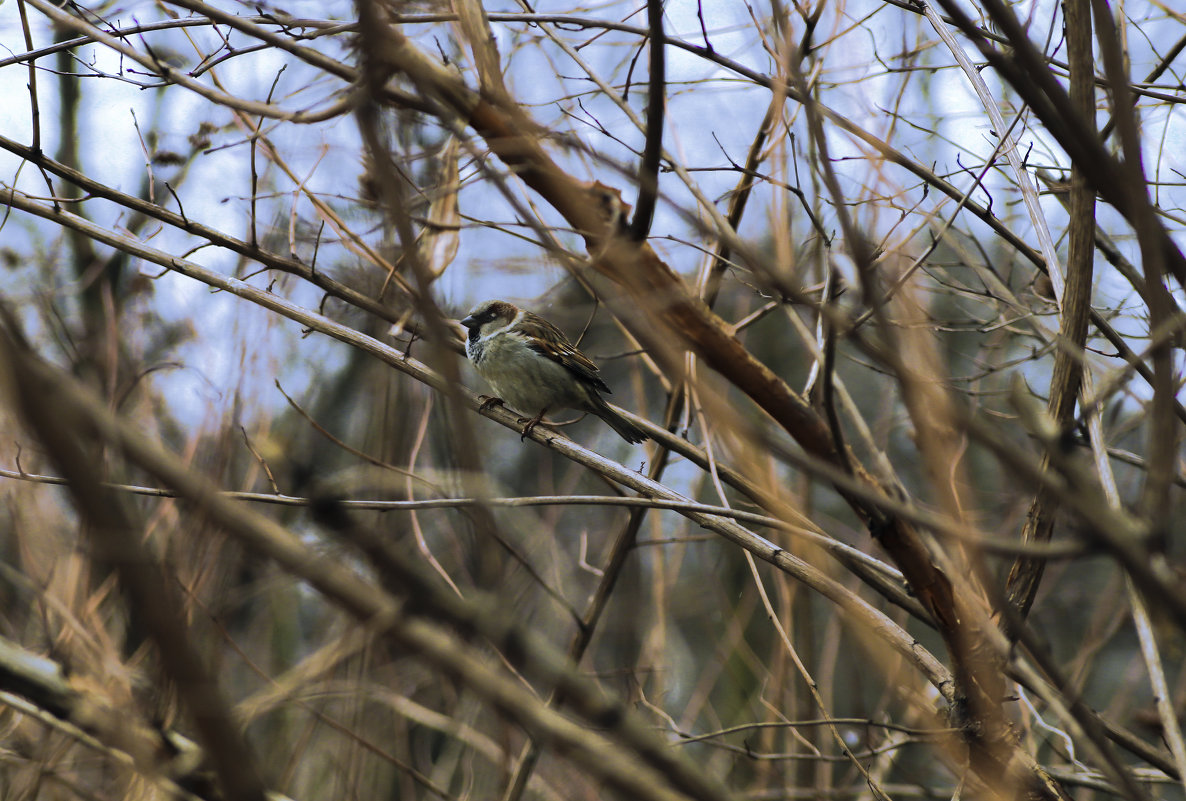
<point>531,365</point>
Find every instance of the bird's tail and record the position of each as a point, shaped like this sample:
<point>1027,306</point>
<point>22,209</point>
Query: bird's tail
<point>626,429</point>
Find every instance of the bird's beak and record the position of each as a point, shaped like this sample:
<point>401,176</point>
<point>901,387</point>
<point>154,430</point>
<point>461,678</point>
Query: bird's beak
<point>469,322</point>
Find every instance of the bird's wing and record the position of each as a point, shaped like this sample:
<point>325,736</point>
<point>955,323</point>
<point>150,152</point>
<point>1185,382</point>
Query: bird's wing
<point>548,340</point>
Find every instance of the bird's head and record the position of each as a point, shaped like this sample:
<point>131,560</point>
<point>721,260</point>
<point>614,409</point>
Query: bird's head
<point>489,317</point>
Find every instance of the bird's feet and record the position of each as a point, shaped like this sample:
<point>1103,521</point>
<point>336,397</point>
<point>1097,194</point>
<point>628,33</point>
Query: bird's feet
<point>489,401</point>
<point>531,424</point>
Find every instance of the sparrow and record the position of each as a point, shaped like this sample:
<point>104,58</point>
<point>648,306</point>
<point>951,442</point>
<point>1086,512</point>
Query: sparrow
<point>531,365</point>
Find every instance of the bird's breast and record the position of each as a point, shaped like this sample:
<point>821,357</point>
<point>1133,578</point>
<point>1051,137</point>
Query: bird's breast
<point>525,379</point>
